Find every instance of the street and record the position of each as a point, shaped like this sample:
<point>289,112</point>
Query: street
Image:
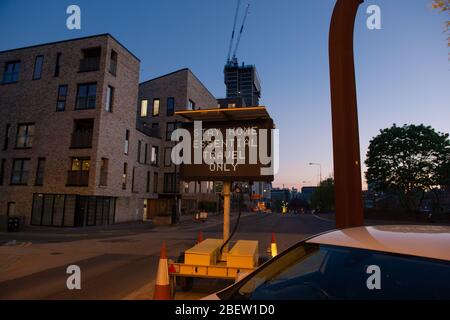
<point>120,261</point>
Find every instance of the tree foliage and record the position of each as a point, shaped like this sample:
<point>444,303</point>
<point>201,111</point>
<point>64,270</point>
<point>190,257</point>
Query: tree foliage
<point>323,197</point>
<point>408,159</point>
<point>443,6</point>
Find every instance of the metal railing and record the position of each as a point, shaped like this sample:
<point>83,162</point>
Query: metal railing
<point>81,139</point>
<point>78,178</point>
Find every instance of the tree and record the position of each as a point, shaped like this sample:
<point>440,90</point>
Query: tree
<point>443,6</point>
<point>407,160</point>
<point>323,197</point>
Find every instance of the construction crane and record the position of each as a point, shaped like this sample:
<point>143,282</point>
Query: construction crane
<point>234,30</point>
<point>233,60</point>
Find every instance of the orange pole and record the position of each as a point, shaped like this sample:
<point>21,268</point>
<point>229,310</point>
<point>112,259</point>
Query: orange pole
<point>346,152</point>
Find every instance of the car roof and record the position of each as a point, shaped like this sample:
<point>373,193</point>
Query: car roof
<point>421,241</point>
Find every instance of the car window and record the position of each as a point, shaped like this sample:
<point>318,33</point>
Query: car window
<point>328,272</point>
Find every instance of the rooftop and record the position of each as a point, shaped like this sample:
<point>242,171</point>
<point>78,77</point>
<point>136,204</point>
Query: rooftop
<point>69,40</point>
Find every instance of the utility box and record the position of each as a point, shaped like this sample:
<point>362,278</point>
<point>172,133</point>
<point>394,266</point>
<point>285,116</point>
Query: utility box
<point>243,255</point>
<point>205,253</point>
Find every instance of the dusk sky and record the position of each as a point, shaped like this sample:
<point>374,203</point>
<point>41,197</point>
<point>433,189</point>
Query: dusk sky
<point>402,70</point>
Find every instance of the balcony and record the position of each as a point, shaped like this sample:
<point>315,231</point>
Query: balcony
<point>77,178</point>
<point>148,130</point>
<point>90,64</point>
<point>81,139</point>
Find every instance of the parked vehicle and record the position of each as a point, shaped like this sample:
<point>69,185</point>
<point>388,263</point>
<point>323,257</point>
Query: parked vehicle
<point>380,262</point>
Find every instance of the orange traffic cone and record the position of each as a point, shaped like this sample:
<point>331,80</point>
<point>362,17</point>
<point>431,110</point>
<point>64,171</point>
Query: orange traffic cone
<point>200,237</point>
<point>162,286</point>
<point>273,246</point>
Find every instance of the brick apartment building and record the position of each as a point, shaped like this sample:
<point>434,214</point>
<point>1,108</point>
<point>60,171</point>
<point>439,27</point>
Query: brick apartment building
<point>73,150</point>
<point>159,99</point>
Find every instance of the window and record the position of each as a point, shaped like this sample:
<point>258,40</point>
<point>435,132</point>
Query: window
<point>154,156</point>
<point>170,183</point>
<point>113,63</point>
<point>191,105</point>
<point>155,111</point>
<point>139,151</point>
<point>109,98</point>
<point>57,64</point>
<point>155,130</point>
<point>144,106</point>
<point>146,154</point>
<point>133,172</point>
<point>124,176</point>
<point>167,157</point>
<point>82,133</point>
<point>11,209</point>
<point>11,73</point>
<point>21,169</point>
<point>155,182</point>
<point>127,142</point>
<point>91,59</point>
<point>313,272</point>
<point>171,126</point>
<point>86,96</point>
<point>104,172</point>
<point>170,106</point>
<point>81,164</point>
<point>147,189</point>
<point>25,135</point>
<point>62,98</point>
<point>38,63</point>
<point>2,171</point>
<point>40,172</point>
<point>78,175</point>
<point>7,133</point>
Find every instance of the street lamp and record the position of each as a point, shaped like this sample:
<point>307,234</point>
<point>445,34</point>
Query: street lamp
<point>320,170</point>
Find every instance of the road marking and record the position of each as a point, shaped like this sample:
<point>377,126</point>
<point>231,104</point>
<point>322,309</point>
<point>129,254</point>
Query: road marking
<point>320,218</point>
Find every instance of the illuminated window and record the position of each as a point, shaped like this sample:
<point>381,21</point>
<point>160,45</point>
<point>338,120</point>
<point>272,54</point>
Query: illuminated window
<point>155,111</point>
<point>80,164</point>
<point>144,105</point>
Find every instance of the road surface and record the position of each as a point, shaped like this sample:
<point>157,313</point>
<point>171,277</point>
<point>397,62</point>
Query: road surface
<point>119,262</point>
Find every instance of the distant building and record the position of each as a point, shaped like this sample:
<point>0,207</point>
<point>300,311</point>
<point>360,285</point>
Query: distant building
<point>280,195</point>
<point>307,193</point>
<point>242,81</point>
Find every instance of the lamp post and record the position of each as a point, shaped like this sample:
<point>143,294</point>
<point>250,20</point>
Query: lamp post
<point>320,180</point>
<point>320,171</point>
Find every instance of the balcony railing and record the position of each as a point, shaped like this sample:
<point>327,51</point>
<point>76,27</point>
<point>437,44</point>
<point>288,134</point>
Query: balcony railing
<point>147,130</point>
<point>90,64</point>
<point>78,178</point>
<point>81,139</point>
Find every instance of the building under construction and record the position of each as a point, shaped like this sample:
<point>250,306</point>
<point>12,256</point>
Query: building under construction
<point>242,81</point>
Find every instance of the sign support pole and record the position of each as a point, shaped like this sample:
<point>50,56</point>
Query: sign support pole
<point>226,212</point>
<point>347,166</point>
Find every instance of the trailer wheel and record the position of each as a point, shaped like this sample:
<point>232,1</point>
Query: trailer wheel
<point>185,283</point>
<point>173,286</point>
<point>263,260</point>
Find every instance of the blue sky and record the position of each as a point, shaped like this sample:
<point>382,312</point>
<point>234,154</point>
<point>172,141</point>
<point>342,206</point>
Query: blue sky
<point>402,70</point>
